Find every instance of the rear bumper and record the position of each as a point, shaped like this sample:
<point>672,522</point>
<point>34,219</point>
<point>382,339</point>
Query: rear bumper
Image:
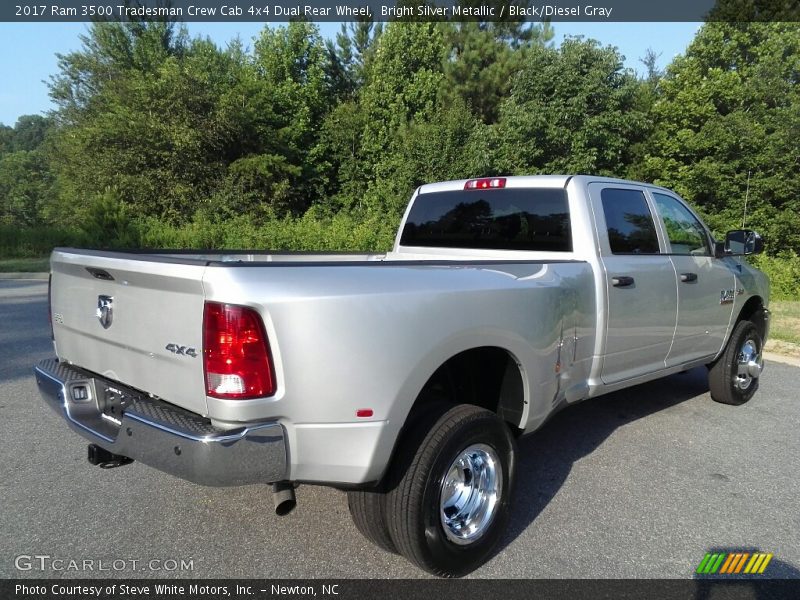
<point>158,434</point>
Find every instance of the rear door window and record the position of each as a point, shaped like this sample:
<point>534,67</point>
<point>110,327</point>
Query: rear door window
<point>631,229</point>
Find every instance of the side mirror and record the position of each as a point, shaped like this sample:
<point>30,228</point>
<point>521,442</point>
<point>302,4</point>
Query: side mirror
<point>741,242</point>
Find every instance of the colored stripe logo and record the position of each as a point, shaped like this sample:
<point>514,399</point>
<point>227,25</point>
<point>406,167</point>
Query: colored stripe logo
<point>733,563</point>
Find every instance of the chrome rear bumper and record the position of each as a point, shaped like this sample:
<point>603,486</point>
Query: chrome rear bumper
<point>127,422</point>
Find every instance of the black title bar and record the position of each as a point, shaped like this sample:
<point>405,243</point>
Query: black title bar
<point>388,10</point>
<point>465,589</point>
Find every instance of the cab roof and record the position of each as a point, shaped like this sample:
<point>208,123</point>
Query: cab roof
<point>541,181</point>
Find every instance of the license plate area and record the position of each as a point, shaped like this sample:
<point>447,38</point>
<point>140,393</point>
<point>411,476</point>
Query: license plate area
<point>92,405</point>
<point>112,403</point>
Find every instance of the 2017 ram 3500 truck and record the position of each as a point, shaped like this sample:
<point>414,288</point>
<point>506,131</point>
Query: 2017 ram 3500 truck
<point>403,378</point>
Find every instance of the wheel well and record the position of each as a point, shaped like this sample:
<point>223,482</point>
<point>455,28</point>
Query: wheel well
<point>488,377</point>
<point>753,310</point>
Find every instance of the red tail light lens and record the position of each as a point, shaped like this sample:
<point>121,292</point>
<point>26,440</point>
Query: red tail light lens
<point>236,354</point>
<point>486,183</point>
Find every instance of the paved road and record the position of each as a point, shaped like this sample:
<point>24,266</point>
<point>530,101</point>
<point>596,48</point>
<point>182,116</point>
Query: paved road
<point>637,484</point>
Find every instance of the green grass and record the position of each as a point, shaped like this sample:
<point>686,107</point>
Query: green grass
<point>785,325</point>
<point>24,265</point>
<point>36,242</point>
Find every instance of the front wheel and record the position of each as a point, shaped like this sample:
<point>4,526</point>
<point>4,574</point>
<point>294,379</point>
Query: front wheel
<point>733,378</point>
<point>449,496</point>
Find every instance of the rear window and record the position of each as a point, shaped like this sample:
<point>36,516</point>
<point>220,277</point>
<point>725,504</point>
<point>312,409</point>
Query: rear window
<point>499,219</point>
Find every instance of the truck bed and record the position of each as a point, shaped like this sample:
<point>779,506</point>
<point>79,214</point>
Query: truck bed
<point>332,312</point>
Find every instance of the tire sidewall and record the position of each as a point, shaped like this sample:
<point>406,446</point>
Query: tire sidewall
<point>460,559</point>
<point>746,330</point>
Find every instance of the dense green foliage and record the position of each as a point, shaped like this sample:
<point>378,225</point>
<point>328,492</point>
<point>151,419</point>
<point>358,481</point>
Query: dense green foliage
<point>164,140</point>
<point>729,106</point>
<point>571,110</point>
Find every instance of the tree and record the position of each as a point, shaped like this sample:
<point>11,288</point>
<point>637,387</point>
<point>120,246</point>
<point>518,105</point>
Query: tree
<point>402,84</point>
<point>109,52</point>
<point>362,139</point>
<point>26,184</point>
<point>133,108</point>
<point>444,146</point>
<point>729,106</point>
<point>349,56</point>
<point>285,95</point>
<point>292,64</point>
<point>341,157</point>
<point>653,73</point>
<point>28,133</point>
<point>571,110</point>
<point>484,58</point>
<point>6,139</point>
<point>108,222</point>
<point>172,123</point>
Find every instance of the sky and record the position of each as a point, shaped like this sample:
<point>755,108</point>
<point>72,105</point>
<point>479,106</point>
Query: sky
<point>28,51</point>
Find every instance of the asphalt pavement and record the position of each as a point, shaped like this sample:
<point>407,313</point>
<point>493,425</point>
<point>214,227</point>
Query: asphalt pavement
<point>637,484</point>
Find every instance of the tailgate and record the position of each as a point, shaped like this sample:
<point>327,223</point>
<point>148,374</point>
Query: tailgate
<point>135,321</point>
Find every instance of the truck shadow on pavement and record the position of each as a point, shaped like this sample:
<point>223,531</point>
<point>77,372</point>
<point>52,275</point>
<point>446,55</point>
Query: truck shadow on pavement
<point>547,456</point>
<point>546,459</point>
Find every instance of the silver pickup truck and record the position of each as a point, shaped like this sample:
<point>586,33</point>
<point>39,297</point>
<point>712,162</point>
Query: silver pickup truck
<point>402,378</point>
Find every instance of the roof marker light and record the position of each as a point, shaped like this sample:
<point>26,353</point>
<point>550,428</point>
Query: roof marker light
<point>485,183</point>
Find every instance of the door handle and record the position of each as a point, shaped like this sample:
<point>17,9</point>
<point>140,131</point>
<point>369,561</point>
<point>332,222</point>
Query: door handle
<point>622,281</point>
<point>688,277</point>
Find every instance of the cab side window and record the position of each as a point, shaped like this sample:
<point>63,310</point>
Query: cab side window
<point>686,234</point>
<point>631,229</point>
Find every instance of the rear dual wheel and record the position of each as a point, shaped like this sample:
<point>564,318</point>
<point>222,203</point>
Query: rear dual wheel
<point>447,496</point>
<point>366,510</point>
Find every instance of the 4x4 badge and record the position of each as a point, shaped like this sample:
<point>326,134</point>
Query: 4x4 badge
<point>181,350</point>
<point>105,310</point>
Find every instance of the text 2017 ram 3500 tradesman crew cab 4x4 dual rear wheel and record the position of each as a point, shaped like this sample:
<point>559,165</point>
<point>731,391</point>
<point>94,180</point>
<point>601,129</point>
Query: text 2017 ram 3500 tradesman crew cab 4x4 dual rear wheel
<point>405,377</point>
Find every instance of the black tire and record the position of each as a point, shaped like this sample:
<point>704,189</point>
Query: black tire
<point>366,509</point>
<point>722,374</point>
<point>367,506</point>
<point>412,508</point>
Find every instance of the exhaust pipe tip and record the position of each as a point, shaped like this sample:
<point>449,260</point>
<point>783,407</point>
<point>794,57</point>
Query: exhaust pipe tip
<point>283,497</point>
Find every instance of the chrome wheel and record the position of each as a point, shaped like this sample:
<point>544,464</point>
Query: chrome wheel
<point>748,365</point>
<point>448,498</point>
<point>733,378</point>
<point>470,493</point>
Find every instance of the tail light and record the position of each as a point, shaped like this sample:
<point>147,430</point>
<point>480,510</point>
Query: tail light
<point>236,355</point>
<point>486,183</point>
